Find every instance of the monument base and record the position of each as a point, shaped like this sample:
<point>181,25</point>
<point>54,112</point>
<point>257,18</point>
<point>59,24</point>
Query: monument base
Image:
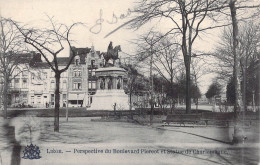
<point>106,99</point>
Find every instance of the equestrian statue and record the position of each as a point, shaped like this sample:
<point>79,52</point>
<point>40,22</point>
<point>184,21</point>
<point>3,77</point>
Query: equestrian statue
<point>112,53</point>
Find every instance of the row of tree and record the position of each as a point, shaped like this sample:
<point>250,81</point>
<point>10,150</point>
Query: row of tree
<point>248,51</point>
<point>165,92</point>
<point>187,20</point>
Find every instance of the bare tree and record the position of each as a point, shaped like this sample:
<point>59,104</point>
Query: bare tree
<point>198,70</point>
<point>162,56</point>
<point>49,43</point>
<point>166,62</point>
<point>11,44</point>
<point>234,5</point>
<point>249,40</point>
<point>131,84</point>
<point>187,18</point>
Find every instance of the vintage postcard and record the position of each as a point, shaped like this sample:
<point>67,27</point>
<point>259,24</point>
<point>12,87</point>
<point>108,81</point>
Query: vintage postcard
<point>131,82</point>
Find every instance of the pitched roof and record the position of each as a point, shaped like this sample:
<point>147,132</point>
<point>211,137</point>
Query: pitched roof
<point>81,52</point>
<point>63,60</point>
<point>42,65</point>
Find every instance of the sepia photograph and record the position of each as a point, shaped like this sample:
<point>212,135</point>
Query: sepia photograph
<point>131,82</point>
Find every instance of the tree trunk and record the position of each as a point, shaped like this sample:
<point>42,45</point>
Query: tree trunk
<point>151,87</point>
<point>197,104</point>
<point>188,94</point>
<point>57,102</point>
<point>237,136</point>
<point>5,98</point>
<point>245,86</point>
<point>238,104</point>
<point>172,98</point>
<point>173,106</point>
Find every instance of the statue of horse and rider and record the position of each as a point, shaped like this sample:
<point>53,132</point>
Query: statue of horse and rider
<point>112,53</point>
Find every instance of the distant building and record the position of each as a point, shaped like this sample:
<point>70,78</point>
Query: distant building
<point>94,61</point>
<point>33,83</point>
<point>18,91</point>
<point>77,79</point>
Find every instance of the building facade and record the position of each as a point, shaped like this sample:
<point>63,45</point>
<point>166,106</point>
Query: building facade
<point>94,61</point>
<point>34,83</point>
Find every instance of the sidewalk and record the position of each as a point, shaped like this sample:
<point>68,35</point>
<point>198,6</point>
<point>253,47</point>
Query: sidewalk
<point>82,134</point>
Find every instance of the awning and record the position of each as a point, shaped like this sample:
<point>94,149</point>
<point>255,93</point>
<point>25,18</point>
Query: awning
<point>76,96</point>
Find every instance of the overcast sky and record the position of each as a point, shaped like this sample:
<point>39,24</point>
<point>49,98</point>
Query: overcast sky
<point>33,12</point>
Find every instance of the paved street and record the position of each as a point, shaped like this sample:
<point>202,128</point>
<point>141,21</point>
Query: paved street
<point>82,139</point>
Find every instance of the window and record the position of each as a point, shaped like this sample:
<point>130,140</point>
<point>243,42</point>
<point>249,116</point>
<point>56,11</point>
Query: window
<point>92,85</point>
<point>52,84</point>
<point>39,99</point>
<point>93,72</point>
<point>24,84</point>
<point>17,99</point>
<point>89,85</point>
<point>16,83</point>
<point>77,85</point>
<point>52,97</point>
<point>92,63</point>
<point>64,84</point>
<point>64,97</point>
<point>77,73</point>
<point>77,61</point>
<point>32,99</point>
<point>24,97</point>
<point>45,75</point>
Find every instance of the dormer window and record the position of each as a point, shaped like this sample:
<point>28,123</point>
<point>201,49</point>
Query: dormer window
<point>92,63</point>
<point>77,60</point>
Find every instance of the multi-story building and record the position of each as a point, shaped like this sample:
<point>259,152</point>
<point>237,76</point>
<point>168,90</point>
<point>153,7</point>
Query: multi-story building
<point>35,84</point>
<point>73,82</point>
<point>78,79</point>
<point>94,61</point>
<point>39,85</point>
<point>18,90</point>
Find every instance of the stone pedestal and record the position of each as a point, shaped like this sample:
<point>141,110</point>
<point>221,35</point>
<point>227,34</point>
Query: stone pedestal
<point>110,90</point>
<point>106,99</point>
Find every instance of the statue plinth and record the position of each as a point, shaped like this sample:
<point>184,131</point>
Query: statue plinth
<point>110,91</point>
